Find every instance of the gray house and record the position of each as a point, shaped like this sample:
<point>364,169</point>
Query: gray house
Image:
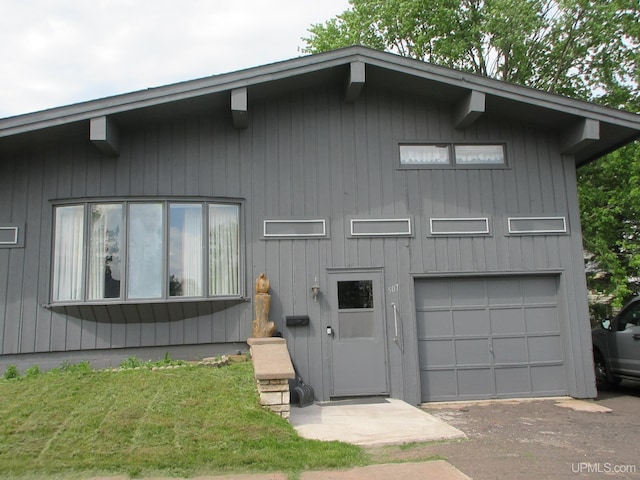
<point>419,226</point>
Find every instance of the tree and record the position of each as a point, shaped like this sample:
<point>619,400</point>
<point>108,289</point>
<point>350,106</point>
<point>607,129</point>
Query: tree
<point>588,49</point>
<point>581,48</point>
<point>609,193</point>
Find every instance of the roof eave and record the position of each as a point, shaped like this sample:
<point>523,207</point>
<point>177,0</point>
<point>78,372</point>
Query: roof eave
<point>300,66</point>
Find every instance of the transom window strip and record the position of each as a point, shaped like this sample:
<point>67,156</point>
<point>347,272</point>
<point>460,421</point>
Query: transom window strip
<point>424,154</point>
<point>479,154</point>
<point>438,155</point>
<point>145,250</point>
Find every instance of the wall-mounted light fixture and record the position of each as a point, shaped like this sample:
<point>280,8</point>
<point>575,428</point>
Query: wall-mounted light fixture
<point>315,290</point>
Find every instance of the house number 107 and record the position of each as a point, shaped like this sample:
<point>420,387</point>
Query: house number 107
<point>392,289</point>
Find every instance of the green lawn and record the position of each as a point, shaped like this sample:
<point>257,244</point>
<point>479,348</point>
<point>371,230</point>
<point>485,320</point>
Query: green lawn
<point>183,422</point>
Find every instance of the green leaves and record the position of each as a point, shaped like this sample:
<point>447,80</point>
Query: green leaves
<point>582,48</point>
<point>609,194</point>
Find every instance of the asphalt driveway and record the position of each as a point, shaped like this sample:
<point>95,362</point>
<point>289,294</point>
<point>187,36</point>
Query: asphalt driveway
<point>537,439</point>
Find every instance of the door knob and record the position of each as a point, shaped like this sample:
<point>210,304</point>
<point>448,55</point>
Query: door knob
<point>330,331</point>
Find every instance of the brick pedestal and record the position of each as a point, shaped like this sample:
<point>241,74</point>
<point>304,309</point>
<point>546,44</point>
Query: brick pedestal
<point>274,394</point>
<point>273,369</point>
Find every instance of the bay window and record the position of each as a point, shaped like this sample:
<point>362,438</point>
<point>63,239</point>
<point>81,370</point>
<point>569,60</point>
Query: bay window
<point>185,250</point>
<point>105,245</point>
<point>145,250</point>
<point>68,245</point>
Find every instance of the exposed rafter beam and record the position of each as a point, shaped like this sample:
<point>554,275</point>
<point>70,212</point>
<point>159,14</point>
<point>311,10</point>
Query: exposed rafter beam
<point>355,82</point>
<point>239,108</point>
<point>104,135</point>
<point>469,109</point>
<point>583,133</point>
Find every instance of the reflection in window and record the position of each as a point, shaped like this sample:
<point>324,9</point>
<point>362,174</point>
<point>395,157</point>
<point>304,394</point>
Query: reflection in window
<point>630,318</point>
<point>355,294</point>
<point>145,250</point>
<point>185,250</point>
<point>104,251</point>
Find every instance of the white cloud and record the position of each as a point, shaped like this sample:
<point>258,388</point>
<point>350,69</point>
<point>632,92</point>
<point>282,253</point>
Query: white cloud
<point>58,52</point>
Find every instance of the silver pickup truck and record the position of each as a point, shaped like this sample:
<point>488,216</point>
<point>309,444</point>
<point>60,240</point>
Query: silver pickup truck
<point>616,346</point>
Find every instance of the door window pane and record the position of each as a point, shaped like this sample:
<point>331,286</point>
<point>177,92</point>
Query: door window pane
<point>224,249</point>
<point>355,294</point>
<point>145,251</point>
<point>105,251</point>
<point>68,248</point>
<point>185,250</point>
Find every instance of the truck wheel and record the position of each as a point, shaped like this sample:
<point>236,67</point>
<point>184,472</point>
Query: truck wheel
<point>604,379</point>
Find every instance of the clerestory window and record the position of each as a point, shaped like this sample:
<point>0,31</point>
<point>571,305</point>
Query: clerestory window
<point>449,155</point>
<point>145,250</point>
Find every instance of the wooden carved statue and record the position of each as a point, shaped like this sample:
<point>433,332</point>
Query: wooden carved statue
<point>262,284</point>
<point>262,327</point>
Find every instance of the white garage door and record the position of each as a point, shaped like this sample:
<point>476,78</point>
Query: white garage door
<point>491,337</point>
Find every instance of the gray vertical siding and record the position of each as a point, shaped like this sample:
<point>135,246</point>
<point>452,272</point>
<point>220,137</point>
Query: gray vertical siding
<point>305,154</point>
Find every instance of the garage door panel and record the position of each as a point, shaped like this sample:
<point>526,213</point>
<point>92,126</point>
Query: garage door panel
<point>507,320</point>
<point>542,319</point>
<point>439,384</point>
<point>548,379</point>
<point>472,352</point>
<point>434,323</point>
<point>432,294</point>
<point>509,350</point>
<point>468,292</point>
<point>512,381</point>
<point>545,349</point>
<point>436,353</point>
<point>475,383</point>
<point>504,291</point>
<point>471,322</point>
<point>539,290</point>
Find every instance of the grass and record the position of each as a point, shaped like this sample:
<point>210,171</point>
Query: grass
<point>76,423</point>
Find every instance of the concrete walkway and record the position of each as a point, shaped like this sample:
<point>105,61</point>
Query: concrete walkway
<point>435,470</point>
<point>378,421</point>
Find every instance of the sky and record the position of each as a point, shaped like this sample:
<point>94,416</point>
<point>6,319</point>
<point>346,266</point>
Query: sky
<point>60,52</point>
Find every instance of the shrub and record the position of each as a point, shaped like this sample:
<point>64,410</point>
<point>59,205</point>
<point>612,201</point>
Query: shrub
<point>132,362</point>
<point>32,371</point>
<point>11,372</point>
<point>79,368</point>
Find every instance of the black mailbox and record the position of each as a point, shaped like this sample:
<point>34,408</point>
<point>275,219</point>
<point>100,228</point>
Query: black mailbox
<point>297,320</point>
